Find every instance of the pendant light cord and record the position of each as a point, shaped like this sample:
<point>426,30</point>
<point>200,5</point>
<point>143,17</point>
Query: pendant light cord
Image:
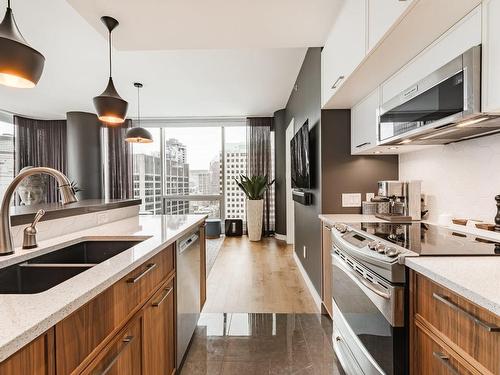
<point>109,40</point>
<point>8,4</point>
<point>138,108</point>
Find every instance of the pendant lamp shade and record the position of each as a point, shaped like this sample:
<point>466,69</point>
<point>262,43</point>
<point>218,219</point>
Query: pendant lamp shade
<point>111,108</point>
<point>138,134</point>
<point>20,65</point>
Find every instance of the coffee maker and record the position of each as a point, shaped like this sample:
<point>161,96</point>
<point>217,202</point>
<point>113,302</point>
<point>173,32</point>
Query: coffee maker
<point>404,200</point>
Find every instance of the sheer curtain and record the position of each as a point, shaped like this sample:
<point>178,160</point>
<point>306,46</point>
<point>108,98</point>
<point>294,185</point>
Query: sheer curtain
<point>41,143</point>
<point>118,163</point>
<point>260,161</point>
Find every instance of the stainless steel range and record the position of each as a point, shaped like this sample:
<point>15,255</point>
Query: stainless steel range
<point>370,291</point>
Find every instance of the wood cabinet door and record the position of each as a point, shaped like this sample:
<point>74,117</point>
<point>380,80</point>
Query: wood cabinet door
<point>159,332</point>
<point>123,355</point>
<point>326,290</point>
<point>36,358</point>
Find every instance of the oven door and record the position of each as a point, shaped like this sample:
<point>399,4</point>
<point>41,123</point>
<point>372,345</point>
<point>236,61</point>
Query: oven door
<point>370,316</point>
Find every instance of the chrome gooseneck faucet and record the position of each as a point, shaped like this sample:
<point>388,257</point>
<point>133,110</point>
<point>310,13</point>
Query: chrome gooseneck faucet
<point>67,196</point>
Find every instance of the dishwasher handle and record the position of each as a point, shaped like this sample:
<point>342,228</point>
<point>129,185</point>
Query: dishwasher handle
<point>183,245</point>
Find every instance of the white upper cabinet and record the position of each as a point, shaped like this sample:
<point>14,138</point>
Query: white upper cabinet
<point>462,36</point>
<point>381,16</point>
<point>344,48</point>
<point>364,124</point>
<point>490,99</point>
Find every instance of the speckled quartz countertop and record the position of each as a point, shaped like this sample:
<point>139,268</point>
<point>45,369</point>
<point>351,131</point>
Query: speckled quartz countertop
<point>24,317</point>
<point>331,219</point>
<point>475,278</point>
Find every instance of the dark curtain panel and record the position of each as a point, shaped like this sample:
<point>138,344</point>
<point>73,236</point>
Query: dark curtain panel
<point>260,152</point>
<point>119,160</point>
<point>41,143</point>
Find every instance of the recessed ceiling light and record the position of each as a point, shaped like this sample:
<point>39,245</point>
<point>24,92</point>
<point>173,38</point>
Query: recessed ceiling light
<point>393,148</point>
<point>377,152</point>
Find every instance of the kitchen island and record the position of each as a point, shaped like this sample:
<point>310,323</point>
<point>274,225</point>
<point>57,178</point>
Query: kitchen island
<point>27,316</point>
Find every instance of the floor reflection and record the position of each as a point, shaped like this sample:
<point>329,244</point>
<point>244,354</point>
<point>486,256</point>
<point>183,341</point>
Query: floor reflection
<point>242,344</point>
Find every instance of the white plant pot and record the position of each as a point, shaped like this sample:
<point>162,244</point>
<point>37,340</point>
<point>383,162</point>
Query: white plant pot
<point>255,209</point>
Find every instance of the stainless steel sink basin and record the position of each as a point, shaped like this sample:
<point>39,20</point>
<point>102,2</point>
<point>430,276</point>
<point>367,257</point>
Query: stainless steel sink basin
<point>87,252</point>
<point>46,271</point>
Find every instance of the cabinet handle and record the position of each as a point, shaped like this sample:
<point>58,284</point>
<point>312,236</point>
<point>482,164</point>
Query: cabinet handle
<point>149,267</point>
<point>445,361</point>
<point>334,86</point>
<point>363,144</point>
<point>166,293</point>
<point>487,326</point>
<point>126,342</point>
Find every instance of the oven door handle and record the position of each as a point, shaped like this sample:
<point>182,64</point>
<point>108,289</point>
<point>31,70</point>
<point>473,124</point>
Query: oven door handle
<point>359,279</point>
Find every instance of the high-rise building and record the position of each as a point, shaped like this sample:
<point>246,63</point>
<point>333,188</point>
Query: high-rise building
<point>235,164</point>
<point>147,182</point>
<point>199,182</point>
<point>6,161</point>
<point>176,177</point>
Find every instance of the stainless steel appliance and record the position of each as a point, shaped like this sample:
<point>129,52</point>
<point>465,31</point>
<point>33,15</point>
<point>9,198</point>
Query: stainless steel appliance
<point>443,107</point>
<point>188,290</point>
<point>369,288</point>
<point>404,200</point>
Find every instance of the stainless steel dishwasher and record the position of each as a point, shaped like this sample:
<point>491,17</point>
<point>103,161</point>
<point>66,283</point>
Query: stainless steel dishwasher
<point>188,290</point>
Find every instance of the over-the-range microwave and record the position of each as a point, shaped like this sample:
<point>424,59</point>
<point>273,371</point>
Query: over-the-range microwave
<point>443,107</point>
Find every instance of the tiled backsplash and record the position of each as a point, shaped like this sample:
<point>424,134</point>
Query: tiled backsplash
<point>460,179</point>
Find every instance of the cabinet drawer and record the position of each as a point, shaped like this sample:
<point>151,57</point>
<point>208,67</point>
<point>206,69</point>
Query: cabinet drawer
<point>123,356</point>
<point>82,334</point>
<point>472,331</point>
<point>431,358</point>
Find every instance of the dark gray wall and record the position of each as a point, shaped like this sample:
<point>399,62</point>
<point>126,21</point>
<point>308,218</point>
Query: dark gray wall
<point>280,170</point>
<point>334,170</point>
<point>305,104</point>
<point>84,153</point>
<point>343,173</point>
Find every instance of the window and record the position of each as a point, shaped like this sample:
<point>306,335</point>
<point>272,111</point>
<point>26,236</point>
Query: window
<point>194,168</point>
<point>7,167</point>
<point>147,170</point>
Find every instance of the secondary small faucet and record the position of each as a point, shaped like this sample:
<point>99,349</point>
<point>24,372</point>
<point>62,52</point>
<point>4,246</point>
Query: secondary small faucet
<point>65,189</point>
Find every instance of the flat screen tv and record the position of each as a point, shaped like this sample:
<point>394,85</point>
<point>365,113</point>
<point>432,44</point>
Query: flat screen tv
<point>300,168</point>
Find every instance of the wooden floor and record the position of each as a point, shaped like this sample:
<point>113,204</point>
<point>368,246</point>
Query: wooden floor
<point>257,277</point>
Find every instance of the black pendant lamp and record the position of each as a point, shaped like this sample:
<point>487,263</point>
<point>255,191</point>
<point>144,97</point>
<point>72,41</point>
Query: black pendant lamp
<point>111,108</point>
<point>20,65</point>
<point>138,134</point>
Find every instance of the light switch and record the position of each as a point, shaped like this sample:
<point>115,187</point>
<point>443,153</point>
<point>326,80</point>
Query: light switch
<point>351,199</point>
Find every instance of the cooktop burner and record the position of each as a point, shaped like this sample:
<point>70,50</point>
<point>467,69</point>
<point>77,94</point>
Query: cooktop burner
<point>426,239</point>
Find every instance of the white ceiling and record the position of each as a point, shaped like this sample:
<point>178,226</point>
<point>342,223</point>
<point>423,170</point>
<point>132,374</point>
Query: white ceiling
<point>207,24</point>
<point>208,77</point>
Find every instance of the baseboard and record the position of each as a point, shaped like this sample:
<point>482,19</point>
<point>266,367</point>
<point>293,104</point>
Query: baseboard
<point>281,237</point>
<point>314,293</point>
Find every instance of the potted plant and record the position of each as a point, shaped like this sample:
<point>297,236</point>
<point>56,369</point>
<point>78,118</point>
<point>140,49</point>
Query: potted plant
<point>254,188</point>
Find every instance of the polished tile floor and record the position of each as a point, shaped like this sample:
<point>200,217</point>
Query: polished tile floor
<point>261,344</point>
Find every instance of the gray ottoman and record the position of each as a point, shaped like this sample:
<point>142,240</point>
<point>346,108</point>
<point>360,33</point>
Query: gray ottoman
<point>212,230</point>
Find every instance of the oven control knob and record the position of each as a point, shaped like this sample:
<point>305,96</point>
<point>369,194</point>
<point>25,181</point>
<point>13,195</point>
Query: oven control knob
<point>373,245</point>
<point>380,248</point>
<point>391,252</point>
<point>342,228</point>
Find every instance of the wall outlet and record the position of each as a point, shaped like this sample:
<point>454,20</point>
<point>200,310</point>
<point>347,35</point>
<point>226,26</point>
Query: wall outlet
<point>102,218</point>
<point>369,197</point>
<point>351,200</point>
<point>304,252</point>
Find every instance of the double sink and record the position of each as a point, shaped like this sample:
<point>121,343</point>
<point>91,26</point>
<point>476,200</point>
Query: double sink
<point>48,270</point>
